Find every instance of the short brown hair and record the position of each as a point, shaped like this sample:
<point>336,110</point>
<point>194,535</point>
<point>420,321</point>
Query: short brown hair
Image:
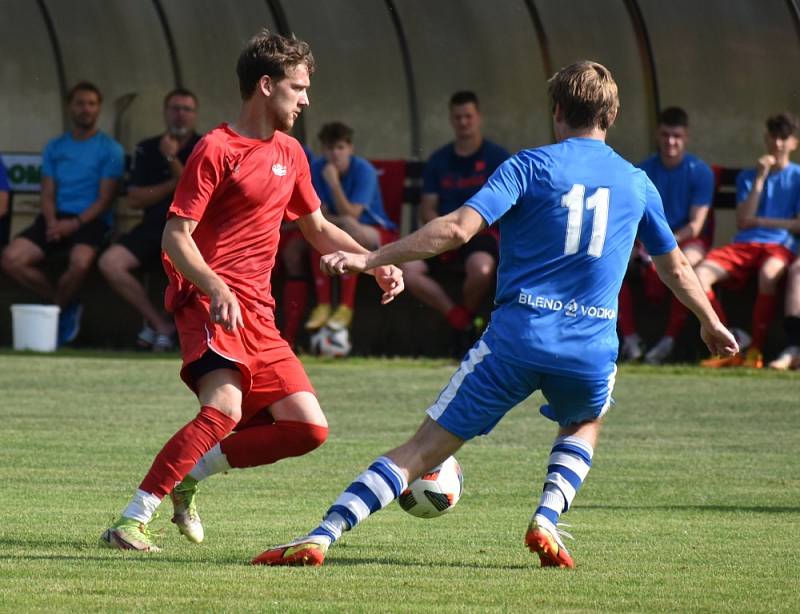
<point>182,92</point>
<point>332,133</point>
<point>783,125</point>
<point>272,55</point>
<point>673,117</point>
<point>586,93</point>
<point>84,86</point>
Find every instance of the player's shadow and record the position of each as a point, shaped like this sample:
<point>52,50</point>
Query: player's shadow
<point>736,509</point>
<point>385,560</point>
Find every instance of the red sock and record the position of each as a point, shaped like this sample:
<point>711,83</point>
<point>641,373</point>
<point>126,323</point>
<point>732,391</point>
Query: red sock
<point>459,317</point>
<point>677,318</point>
<point>322,283</point>
<point>627,323</point>
<point>347,290</point>
<point>763,311</point>
<point>295,300</point>
<point>717,307</point>
<point>181,453</point>
<point>263,444</point>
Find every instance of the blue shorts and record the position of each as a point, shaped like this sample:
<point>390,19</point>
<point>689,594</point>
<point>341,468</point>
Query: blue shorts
<point>485,388</point>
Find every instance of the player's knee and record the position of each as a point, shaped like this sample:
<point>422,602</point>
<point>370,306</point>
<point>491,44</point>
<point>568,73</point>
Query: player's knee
<point>109,265</point>
<point>481,265</point>
<point>306,436</point>
<point>9,260</point>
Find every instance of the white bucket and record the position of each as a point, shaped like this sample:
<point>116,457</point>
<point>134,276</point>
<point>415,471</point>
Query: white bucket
<point>35,327</point>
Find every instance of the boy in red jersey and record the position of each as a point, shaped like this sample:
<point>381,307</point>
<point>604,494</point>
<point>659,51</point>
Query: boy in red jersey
<point>219,246</point>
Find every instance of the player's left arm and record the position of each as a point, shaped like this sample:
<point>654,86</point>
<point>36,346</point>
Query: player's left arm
<point>792,224</point>
<point>106,193</point>
<point>326,237</point>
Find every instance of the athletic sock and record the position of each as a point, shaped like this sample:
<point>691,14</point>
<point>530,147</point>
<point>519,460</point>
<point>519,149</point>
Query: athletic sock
<point>677,318</point>
<point>371,491</point>
<point>294,303</point>
<point>142,506</point>
<point>791,324</point>
<point>265,444</point>
<point>627,323</point>
<point>213,461</point>
<point>459,317</point>
<point>322,283</point>
<point>181,453</point>
<point>569,464</point>
<point>347,290</point>
<point>712,298</point>
<point>763,311</point>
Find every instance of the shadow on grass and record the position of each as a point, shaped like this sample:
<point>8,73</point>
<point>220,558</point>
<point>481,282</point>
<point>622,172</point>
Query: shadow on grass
<point>736,509</point>
<point>359,561</point>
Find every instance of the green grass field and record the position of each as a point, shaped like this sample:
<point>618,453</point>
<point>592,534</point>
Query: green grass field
<point>693,503</point>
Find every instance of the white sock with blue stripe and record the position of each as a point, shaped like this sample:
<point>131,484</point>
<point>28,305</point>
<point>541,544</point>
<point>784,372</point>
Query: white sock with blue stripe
<point>569,464</point>
<point>371,491</point>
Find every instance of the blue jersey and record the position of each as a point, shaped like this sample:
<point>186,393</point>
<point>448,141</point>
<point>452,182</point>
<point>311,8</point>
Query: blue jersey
<point>78,167</point>
<point>455,178</point>
<point>360,185</point>
<point>780,199</point>
<point>690,184</point>
<point>568,215</point>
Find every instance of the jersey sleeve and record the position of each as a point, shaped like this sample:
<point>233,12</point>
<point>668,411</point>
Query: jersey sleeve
<point>201,175</point>
<point>702,187</point>
<point>502,190</point>
<point>304,199</point>
<point>114,164</point>
<point>654,231</point>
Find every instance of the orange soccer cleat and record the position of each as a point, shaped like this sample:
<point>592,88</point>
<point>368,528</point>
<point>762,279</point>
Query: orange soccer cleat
<point>307,551</point>
<point>543,538</point>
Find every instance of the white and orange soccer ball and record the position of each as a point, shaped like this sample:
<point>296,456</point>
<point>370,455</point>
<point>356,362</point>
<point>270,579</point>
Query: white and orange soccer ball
<point>331,343</point>
<point>436,492</point>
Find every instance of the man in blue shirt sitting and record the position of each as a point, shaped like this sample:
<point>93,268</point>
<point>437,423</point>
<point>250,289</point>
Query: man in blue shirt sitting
<point>81,170</point>
<point>568,214</point>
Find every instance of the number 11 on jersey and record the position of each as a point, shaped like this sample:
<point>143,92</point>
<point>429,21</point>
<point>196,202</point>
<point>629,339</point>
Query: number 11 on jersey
<point>597,202</point>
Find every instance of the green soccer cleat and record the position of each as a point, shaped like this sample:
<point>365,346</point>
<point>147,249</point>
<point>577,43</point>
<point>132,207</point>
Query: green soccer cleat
<point>307,551</point>
<point>129,534</point>
<point>544,539</point>
<point>185,514</point>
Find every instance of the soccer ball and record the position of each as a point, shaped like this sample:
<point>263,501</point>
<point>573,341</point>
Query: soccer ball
<point>436,492</point>
<point>331,343</point>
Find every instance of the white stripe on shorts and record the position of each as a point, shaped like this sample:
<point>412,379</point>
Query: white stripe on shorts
<point>473,358</point>
<point>611,380</point>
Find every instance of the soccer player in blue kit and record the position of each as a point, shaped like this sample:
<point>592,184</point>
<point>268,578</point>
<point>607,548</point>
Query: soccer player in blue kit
<point>568,215</point>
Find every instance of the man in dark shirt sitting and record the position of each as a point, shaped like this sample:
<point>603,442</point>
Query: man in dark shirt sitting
<point>157,166</point>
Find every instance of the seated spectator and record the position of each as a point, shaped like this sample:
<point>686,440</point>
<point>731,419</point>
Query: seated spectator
<point>157,166</point>
<point>351,198</point>
<point>789,358</point>
<point>452,175</point>
<point>5,199</point>
<point>767,212</point>
<point>686,186</point>
<point>293,255</point>
<point>80,175</point>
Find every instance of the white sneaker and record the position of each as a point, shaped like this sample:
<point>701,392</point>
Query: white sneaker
<point>788,359</point>
<point>660,351</point>
<point>742,338</point>
<point>631,349</point>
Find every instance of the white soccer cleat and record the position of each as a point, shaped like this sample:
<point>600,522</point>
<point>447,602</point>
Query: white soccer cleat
<point>788,359</point>
<point>660,351</point>
<point>631,349</point>
<point>185,514</point>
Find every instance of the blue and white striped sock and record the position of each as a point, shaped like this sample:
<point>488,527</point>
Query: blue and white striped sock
<point>373,490</point>
<point>569,464</point>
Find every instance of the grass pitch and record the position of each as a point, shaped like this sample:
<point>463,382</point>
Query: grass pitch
<point>693,503</point>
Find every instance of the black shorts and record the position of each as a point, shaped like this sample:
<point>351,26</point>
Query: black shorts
<point>484,241</point>
<point>93,234</point>
<point>144,242</point>
<point>208,362</point>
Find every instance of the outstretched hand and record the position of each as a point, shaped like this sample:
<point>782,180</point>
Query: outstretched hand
<point>339,263</point>
<point>719,340</point>
<point>390,280</point>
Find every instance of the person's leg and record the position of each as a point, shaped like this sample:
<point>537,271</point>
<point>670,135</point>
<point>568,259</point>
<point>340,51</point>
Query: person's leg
<point>789,358</point>
<point>769,277</point>
<point>710,273</point>
<point>220,394</point>
<point>366,235</point>
<point>322,286</point>
<point>81,258</point>
<point>479,276</point>
<point>426,289</point>
<point>19,261</point>
<point>294,256</point>
<point>117,264</point>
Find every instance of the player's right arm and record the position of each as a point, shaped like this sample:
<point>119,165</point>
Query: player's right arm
<point>747,207</point>
<point>179,245</point>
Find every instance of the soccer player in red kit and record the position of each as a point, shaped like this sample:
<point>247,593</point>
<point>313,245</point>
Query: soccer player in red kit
<point>220,240</point>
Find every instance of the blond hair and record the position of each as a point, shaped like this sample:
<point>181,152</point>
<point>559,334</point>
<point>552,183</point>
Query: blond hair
<point>586,93</point>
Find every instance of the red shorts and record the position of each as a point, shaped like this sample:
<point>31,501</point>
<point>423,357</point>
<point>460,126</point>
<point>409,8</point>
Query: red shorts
<point>270,370</point>
<point>742,260</point>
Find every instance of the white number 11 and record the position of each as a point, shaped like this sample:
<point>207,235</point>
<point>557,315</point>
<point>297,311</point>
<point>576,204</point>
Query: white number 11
<point>597,202</point>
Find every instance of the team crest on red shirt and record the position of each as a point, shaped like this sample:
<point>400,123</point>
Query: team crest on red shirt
<point>279,170</point>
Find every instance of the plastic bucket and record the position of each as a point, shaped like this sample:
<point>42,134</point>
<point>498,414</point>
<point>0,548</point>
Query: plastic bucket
<point>35,327</point>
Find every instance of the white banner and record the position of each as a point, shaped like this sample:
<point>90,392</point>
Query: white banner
<point>24,171</point>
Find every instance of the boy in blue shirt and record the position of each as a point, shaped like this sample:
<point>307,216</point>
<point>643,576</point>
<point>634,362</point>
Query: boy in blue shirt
<point>351,198</point>
<point>568,215</point>
<point>686,186</point>
<point>80,174</point>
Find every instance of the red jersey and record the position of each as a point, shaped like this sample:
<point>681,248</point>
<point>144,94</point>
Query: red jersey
<point>239,190</point>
